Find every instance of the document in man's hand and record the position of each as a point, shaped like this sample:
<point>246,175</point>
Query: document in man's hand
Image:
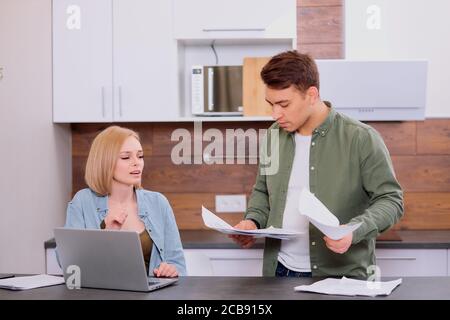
<point>30,282</point>
<point>214,222</point>
<point>351,287</point>
<point>319,215</point>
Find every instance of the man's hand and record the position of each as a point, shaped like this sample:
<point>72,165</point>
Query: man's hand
<point>339,246</point>
<point>244,241</point>
<point>166,270</point>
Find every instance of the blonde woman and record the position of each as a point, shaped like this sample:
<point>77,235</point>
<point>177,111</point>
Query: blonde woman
<point>116,200</point>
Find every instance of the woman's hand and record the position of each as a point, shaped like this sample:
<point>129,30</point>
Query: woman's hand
<point>115,219</point>
<point>166,270</point>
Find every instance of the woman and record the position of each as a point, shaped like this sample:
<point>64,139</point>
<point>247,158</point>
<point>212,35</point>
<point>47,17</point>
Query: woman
<point>115,200</point>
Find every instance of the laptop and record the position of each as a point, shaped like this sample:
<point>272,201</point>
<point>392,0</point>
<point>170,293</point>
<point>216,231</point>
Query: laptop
<point>107,259</point>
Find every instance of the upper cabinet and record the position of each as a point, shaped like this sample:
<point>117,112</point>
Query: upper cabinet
<point>131,60</point>
<point>82,61</point>
<point>235,19</point>
<point>114,60</point>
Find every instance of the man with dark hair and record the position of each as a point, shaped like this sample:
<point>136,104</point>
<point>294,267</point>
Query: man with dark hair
<point>342,161</point>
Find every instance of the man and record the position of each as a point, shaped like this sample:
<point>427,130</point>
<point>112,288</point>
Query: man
<point>342,161</point>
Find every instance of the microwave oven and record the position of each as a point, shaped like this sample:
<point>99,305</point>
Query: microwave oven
<point>216,90</point>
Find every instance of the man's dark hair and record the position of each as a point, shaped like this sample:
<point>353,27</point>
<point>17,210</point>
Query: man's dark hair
<point>291,68</point>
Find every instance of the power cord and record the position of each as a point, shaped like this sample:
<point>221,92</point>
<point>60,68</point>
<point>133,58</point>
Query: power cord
<point>214,50</point>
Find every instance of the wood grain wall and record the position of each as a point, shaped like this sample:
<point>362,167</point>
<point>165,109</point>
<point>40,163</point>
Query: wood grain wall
<point>420,150</point>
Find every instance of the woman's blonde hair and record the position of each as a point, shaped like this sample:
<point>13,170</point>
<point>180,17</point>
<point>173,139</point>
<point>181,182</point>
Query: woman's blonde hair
<point>103,156</point>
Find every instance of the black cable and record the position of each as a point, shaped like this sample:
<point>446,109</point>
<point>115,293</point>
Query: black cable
<point>215,53</point>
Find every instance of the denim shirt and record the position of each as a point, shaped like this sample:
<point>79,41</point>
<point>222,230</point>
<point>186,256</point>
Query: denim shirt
<point>87,210</point>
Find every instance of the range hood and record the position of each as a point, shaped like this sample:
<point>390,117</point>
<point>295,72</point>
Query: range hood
<point>375,90</point>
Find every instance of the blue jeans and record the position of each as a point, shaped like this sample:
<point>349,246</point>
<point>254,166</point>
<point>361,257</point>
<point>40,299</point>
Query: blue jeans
<point>282,271</point>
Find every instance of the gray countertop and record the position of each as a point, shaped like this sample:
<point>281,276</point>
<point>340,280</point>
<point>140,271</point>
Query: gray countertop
<point>411,239</point>
<point>237,288</point>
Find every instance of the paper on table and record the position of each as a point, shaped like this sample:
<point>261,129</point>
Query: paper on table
<point>214,222</point>
<point>351,287</point>
<point>30,282</point>
<point>322,218</point>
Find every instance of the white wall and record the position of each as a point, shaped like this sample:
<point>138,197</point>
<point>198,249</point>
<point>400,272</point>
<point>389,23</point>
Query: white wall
<point>35,161</point>
<point>408,29</point>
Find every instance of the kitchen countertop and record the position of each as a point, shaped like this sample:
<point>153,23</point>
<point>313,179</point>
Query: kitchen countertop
<point>405,239</point>
<point>237,288</point>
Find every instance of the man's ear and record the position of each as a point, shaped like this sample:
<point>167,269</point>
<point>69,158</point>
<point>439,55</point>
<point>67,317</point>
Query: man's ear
<point>313,94</point>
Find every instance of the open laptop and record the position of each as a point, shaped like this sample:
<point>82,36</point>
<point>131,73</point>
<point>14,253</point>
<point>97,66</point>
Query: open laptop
<point>107,259</point>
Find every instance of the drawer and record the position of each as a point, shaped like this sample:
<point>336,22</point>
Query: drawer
<point>224,262</point>
<point>412,262</point>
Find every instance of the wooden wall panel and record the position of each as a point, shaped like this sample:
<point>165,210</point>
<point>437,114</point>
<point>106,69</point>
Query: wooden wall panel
<point>162,143</point>
<point>426,210</point>
<point>190,206</point>
<point>423,173</point>
<point>78,170</point>
<point>399,137</point>
<point>84,134</point>
<point>319,25</point>
<point>319,3</point>
<point>161,175</point>
<point>319,29</point>
<point>433,136</point>
<point>322,50</point>
<point>424,178</point>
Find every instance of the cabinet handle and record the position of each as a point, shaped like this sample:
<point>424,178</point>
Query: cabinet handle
<point>120,101</point>
<point>208,156</point>
<point>397,258</point>
<point>234,259</point>
<point>103,102</point>
<point>232,29</point>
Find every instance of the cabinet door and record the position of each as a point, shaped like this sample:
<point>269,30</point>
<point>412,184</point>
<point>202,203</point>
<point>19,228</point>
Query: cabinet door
<point>218,19</point>
<point>412,262</point>
<point>82,60</point>
<point>145,56</point>
<point>224,262</point>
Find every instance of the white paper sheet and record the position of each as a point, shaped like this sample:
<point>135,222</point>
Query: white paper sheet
<point>319,215</point>
<point>214,222</point>
<point>30,282</point>
<point>351,287</point>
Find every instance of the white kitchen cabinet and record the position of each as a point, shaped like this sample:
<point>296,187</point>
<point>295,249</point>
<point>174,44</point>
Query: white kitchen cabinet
<point>235,19</point>
<point>114,60</point>
<point>392,262</point>
<point>82,61</point>
<point>412,262</point>
<point>224,262</point>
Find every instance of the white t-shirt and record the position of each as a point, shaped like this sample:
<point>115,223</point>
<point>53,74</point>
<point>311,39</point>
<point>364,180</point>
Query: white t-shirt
<point>294,253</point>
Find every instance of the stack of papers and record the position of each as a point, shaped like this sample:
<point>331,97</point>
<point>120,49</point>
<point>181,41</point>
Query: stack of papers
<point>351,287</point>
<point>214,222</point>
<point>31,282</point>
<point>319,215</point>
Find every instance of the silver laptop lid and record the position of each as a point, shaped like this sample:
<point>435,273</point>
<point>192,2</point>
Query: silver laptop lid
<point>107,259</point>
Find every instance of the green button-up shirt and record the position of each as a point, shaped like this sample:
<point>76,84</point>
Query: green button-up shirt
<point>351,173</point>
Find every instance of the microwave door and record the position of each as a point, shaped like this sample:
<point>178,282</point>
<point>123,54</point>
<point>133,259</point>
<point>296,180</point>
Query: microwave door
<point>227,89</point>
